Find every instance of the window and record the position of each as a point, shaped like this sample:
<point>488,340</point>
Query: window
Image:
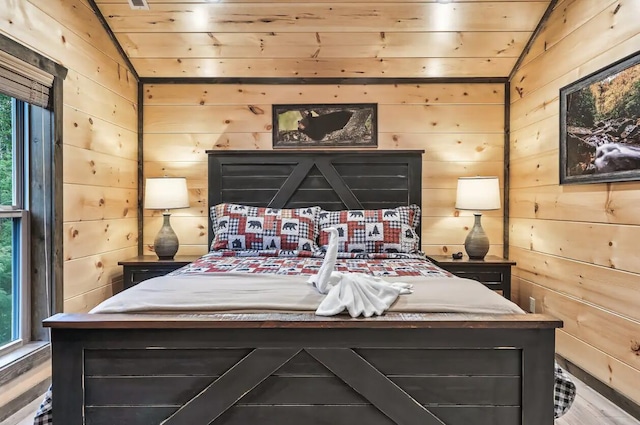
<point>31,258</point>
<point>14,236</point>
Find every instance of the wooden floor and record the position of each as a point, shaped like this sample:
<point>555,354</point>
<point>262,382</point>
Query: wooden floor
<point>590,408</point>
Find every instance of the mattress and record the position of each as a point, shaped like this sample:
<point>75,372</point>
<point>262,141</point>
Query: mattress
<point>221,283</point>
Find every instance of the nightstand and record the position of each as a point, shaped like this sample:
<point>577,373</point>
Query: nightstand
<point>494,272</point>
<point>145,267</point>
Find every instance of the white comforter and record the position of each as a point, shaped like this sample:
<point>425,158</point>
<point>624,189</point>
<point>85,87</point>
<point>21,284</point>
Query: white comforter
<point>247,292</point>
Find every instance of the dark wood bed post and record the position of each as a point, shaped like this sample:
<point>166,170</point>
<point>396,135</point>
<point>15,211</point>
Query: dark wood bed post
<point>67,364</point>
<point>538,372</point>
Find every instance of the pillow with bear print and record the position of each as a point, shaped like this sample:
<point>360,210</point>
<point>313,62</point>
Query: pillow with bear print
<point>242,227</point>
<point>380,231</point>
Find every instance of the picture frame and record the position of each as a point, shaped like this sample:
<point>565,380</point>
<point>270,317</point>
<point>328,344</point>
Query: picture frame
<point>340,125</point>
<point>600,125</point>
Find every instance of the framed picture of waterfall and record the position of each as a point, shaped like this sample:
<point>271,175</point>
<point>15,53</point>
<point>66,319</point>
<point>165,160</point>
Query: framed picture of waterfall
<point>600,125</point>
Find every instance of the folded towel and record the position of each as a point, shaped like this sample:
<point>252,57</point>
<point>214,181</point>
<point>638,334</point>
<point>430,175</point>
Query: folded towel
<point>358,293</point>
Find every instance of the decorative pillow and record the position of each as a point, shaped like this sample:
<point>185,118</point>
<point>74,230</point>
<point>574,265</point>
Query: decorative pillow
<point>388,231</point>
<point>241,227</point>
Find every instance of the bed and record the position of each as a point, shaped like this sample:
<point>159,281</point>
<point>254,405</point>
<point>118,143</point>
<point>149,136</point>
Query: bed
<point>296,367</point>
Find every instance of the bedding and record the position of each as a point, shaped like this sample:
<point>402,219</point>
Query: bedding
<point>242,227</point>
<point>237,281</point>
<point>266,283</point>
<point>384,230</point>
<point>270,262</point>
<point>271,292</point>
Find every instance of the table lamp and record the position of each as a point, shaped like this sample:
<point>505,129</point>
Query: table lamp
<point>477,194</point>
<point>166,193</point>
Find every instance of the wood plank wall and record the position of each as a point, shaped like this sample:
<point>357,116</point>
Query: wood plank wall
<point>576,246</point>
<point>100,141</point>
<point>460,126</point>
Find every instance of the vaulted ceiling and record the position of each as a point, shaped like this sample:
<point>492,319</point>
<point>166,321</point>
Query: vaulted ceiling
<point>352,38</point>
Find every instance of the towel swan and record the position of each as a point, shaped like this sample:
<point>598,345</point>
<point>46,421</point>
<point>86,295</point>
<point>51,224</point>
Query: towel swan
<point>358,293</point>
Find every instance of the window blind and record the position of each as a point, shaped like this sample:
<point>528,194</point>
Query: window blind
<point>24,81</point>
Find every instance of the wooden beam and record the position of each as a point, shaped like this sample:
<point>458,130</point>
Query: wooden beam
<point>57,244</point>
<point>140,205</point>
<point>534,35</point>
<point>505,176</point>
<point>324,81</point>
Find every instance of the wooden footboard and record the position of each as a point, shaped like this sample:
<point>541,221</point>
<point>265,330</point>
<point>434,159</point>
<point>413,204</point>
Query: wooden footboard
<point>285,369</point>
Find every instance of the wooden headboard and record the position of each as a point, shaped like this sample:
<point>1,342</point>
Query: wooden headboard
<point>334,180</point>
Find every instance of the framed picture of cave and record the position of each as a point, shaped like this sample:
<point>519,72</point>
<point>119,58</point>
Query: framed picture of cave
<point>600,125</point>
<point>352,125</point>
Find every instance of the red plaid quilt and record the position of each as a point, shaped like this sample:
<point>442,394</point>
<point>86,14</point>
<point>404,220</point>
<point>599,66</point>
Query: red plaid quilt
<point>408,266</point>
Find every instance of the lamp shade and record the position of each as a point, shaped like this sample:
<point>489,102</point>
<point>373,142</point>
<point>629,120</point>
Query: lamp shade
<point>478,193</point>
<point>166,193</point>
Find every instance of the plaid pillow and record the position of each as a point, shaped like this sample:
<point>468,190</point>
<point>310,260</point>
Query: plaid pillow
<point>388,231</point>
<point>240,227</point>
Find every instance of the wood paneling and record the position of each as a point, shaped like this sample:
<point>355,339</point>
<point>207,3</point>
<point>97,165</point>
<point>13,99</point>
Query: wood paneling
<point>85,302</point>
<point>614,24</point>
<point>97,271</point>
<point>581,280</point>
<point>316,67</point>
<point>576,245</point>
<point>601,365</point>
<point>324,45</point>
<point>98,101</point>
<point>600,203</point>
<point>84,238</point>
<point>460,127</point>
<point>94,134</point>
<point>599,328</point>
<point>391,118</point>
<point>608,245</point>
<point>22,384</point>
<point>97,203</point>
<point>324,39</point>
<point>97,169</point>
<point>74,39</point>
<point>341,17</point>
<point>535,171</point>
<point>100,140</point>
<point>231,94</point>
<point>575,13</point>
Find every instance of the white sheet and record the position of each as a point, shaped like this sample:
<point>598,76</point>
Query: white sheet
<point>246,292</point>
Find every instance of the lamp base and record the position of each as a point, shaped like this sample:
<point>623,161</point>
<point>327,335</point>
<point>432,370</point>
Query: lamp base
<point>166,242</point>
<point>477,243</point>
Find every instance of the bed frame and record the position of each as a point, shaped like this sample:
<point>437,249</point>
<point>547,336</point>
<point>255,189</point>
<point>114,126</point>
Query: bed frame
<point>286,369</point>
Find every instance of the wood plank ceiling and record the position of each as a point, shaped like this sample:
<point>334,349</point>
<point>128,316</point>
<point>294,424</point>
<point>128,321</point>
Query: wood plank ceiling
<point>351,38</point>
